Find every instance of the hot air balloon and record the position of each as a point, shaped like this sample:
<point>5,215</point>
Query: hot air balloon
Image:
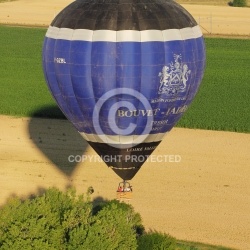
<point>124,72</point>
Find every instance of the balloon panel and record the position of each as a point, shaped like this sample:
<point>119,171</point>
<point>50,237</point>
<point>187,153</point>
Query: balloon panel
<point>166,73</point>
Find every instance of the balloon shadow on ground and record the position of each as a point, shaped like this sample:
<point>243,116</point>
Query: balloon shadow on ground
<point>56,138</point>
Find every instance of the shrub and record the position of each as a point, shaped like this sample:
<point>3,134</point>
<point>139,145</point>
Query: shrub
<point>65,221</point>
<point>156,241</point>
<point>238,3</point>
<point>2,1</point>
<point>44,222</point>
<point>133,217</point>
<point>59,221</point>
<point>114,227</point>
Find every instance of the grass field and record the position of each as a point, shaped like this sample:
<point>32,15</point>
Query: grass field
<point>22,82</point>
<point>222,102</point>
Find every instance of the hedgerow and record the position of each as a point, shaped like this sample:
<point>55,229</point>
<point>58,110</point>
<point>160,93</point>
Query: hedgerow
<point>45,222</point>
<point>238,3</point>
<point>58,220</point>
<point>65,221</point>
<point>155,241</point>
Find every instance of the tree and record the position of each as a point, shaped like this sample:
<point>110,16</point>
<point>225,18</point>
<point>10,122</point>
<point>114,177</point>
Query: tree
<point>238,3</point>
<point>43,222</point>
<point>63,220</point>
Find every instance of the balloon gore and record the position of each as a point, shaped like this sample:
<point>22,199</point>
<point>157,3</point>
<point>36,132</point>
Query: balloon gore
<point>124,72</point>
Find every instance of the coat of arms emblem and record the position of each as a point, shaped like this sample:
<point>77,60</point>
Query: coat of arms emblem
<point>174,77</point>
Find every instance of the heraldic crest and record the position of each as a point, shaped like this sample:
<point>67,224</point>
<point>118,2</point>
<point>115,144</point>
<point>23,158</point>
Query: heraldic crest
<point>174,77</point>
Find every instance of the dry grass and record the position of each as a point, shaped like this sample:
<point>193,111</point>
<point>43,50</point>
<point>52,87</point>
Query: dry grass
<point>3,1</point>
<point>208,2</point>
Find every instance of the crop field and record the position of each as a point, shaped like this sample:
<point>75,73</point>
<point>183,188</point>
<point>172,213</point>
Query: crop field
<point>208,2</point>
<point>222,102</point>
<point>23,86</point>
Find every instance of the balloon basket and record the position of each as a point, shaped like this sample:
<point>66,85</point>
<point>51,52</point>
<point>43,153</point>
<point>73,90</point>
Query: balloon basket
<point>124,191</point>
<point>124,195</point>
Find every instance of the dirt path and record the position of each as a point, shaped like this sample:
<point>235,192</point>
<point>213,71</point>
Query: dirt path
<point>224,20</point>
<point>203,196</point>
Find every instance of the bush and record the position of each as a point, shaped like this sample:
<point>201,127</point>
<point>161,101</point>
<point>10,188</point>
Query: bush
<point>58,220</point>
<point>44,222</point>
<point>65,221</point>
<point>156,241</point>
<point>130,214</point>
<point>238,3</point>
<point>114,227</point>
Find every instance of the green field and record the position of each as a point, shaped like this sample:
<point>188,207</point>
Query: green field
<point>222,103</point>
<point>23,88</point>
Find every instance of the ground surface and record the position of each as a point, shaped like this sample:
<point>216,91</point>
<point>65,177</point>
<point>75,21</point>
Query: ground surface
<point>203,196</point>
<point>213,19</point>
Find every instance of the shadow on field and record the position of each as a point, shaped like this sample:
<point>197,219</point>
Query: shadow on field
<point>57,139</point>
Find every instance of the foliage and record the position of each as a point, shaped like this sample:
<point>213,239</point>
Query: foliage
<point>238,3</point>
<point>3,1</point>
<point>65,221</point>
<point>221,103</point>
<point>156,241</point>
<point>44,222</point>
<point>113,226</point>
<point>58,220</point>
<point>209,2</point>
<point>116,224</point>
<point>131,216</point>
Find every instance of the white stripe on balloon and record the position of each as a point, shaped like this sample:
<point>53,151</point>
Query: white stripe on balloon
<point>124,35</point>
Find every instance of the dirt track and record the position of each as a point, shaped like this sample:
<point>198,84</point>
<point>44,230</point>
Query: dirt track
<point>203,197</point>
<point>224,20</point>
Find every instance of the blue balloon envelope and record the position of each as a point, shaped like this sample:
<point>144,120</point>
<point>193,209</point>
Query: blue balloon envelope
<point>124,72</point>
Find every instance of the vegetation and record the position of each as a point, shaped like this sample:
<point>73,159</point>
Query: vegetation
<point>155,240</point>
<point>67,221</point>
<point>222,102</point>
<point>63,220</point>
<point>23,89</point>
<point>238,3</point>
<point>3,1</point>
<point>211,2</point>
<point>58,220</point>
